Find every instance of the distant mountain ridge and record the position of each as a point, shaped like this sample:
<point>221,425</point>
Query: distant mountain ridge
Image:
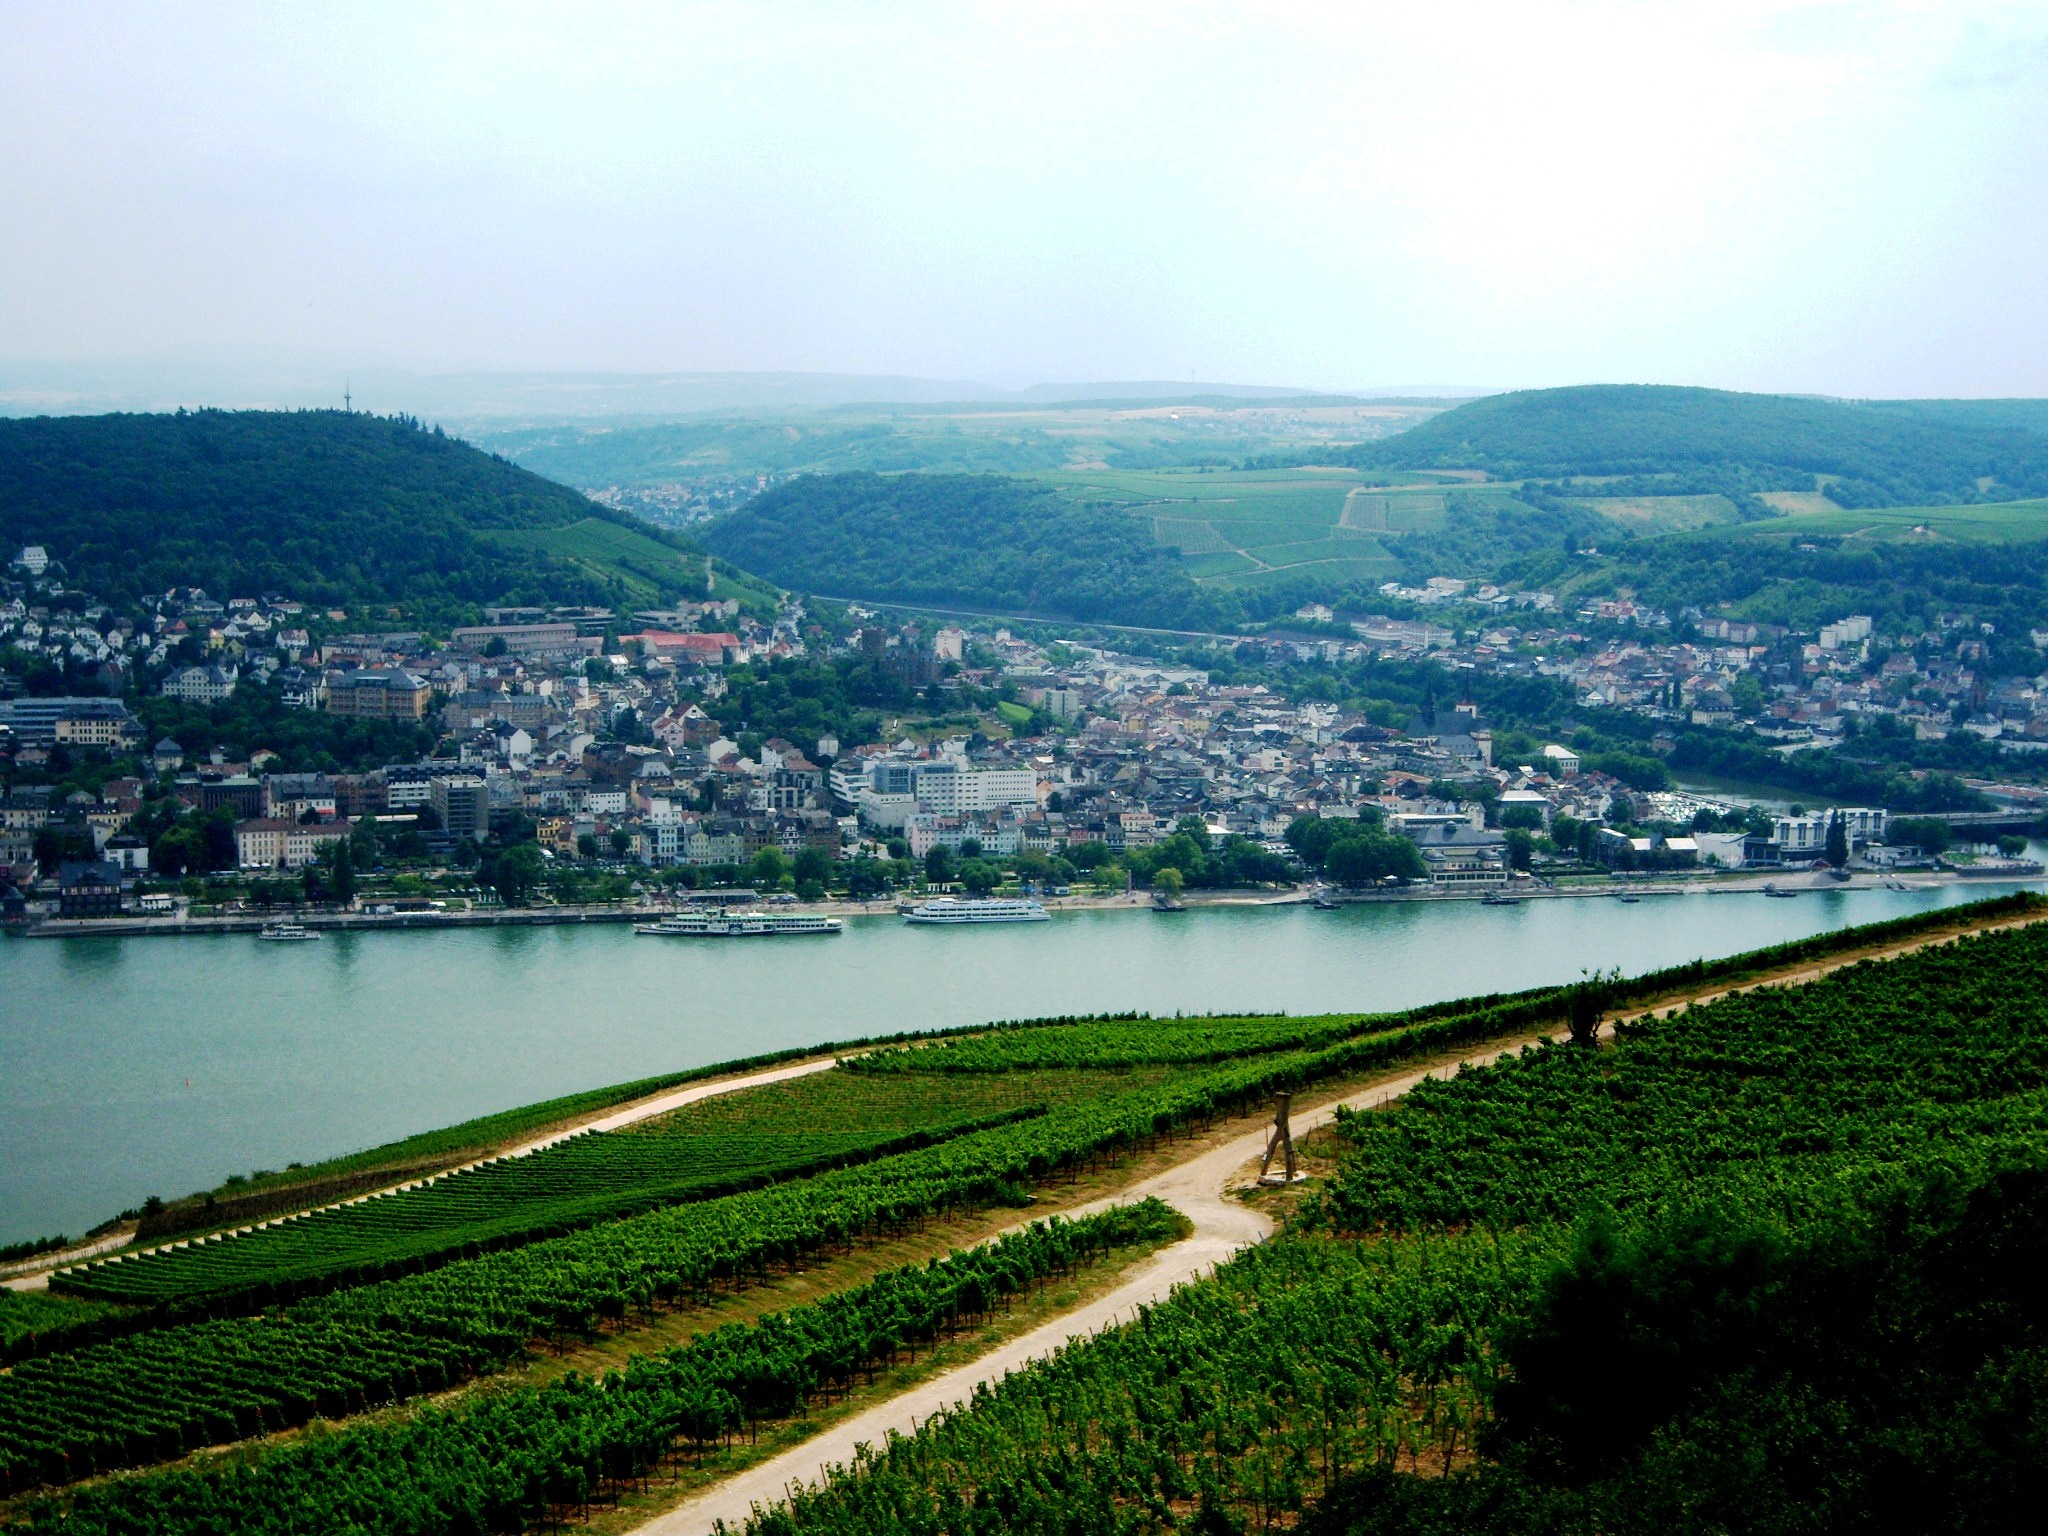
<point>1881,454</point>
<point>290,380</point>
<point>334,508</point>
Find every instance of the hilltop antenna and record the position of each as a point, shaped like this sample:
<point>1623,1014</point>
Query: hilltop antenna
<point>348,401</point>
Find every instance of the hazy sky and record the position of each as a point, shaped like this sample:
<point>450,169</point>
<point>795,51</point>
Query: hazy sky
<point>1850,198</point>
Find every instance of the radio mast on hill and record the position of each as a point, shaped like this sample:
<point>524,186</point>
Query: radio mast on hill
<point>348,400</point>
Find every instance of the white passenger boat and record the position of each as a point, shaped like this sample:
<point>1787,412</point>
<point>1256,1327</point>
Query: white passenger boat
<point>996,909</point>
<point>286,933</point>
<point>737,925</point>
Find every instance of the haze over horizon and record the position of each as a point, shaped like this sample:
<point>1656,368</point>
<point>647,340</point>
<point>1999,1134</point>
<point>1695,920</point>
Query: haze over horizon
<point>1813,198</point>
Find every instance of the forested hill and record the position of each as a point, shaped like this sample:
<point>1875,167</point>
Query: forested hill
<point>978,541</point>
<point>325,506</point>
<point>1708,439</point>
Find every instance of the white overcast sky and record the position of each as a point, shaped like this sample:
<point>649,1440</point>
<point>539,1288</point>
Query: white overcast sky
<point>1847,198</point>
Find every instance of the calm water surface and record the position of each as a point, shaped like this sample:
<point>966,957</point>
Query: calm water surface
<point>131,1067</point>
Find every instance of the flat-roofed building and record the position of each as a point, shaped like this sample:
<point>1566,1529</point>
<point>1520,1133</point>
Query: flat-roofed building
<point>463,804</point>
<point>85,721</point>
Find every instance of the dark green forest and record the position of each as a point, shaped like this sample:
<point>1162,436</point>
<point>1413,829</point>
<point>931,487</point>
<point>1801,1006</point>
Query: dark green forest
<point>325,506</point>
<point>979,541</point>
<point>1715,440</point>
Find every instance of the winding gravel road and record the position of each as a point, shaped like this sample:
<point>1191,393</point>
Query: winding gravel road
<point>1202,1189</point>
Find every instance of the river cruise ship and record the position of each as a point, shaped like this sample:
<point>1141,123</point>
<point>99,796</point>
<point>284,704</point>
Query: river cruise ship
<point>286,933</point>
<point>997,909</point>
<point>737,925</point>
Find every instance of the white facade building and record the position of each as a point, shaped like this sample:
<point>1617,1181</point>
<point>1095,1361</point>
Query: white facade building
<point>1807,836</point>
<point>201,685</point>
<point>952,788</point>
<point>1845,632</point>
<point>273,843</point>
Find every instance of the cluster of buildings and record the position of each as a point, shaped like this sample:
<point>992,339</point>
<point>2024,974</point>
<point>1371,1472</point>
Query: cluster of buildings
<point>605,730</point>
<point>1799,690</point>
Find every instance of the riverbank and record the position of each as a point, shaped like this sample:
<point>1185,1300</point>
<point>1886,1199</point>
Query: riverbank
<point>181,923</point>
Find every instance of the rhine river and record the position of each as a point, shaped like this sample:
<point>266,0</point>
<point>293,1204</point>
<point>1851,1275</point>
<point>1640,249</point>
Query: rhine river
<point>139,1066</point>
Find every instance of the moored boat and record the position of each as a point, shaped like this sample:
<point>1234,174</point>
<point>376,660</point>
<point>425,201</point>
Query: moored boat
<point>286,933</point>
<point>986,909</point>
<point>737,925</point>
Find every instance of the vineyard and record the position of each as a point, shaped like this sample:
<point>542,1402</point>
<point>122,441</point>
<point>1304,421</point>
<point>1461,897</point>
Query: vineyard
<point>1112,1043</point>
<point>740,1141</point>
<point>1370,1346</point>
<point>27,1314</point>
<point>1580,1260</point>
<point>513,1459</point>
<point>1771,1096</point>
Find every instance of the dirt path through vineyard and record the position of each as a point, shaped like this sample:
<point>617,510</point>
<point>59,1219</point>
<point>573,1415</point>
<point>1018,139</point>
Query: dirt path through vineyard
<point>1204,1189</point>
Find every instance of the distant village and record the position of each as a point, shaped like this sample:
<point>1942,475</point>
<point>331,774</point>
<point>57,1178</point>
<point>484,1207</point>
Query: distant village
<point>606,731</point>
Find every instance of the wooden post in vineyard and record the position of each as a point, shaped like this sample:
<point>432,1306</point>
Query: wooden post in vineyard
<point>1281,1140</point>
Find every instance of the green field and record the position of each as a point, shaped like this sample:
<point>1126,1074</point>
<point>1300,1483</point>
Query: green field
<point>1997,522</point>
<point>1244,528</point>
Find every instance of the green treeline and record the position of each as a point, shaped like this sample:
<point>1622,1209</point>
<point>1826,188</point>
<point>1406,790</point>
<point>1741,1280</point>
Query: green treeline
<point>325,506</point>
<point>979,541</point>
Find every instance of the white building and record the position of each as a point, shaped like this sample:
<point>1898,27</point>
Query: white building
<point>889,790</point>
<point>950,787</point>
<point>1562,761</point>
<point>202,685</point>
<point>273,843</point>
<point>925,832</point>
<point>1845,632</point>
<point>1807,836</point>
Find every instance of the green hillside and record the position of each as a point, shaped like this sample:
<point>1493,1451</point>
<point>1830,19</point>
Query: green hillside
<point>1704,441</point>
<point>979,541</point>
<point>326,506</point>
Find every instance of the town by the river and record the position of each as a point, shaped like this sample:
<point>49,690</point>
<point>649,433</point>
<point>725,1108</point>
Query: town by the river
<point>133,1066</point>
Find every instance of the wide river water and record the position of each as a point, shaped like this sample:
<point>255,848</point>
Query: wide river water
<point>139,1066</point>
